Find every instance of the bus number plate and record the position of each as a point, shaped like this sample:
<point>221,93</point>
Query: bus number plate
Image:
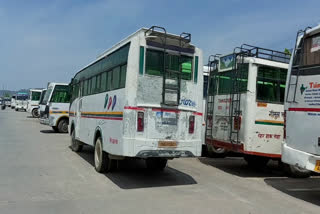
<point>317,167</point>
<point>167,144</point>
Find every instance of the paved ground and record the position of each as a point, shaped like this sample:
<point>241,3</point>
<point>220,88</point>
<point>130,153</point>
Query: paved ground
<point>40,174</point>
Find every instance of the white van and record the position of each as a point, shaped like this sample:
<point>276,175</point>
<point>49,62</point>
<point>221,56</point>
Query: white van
<point>302,105</point>
<point>54,110</point>
<point>33,102</point>
<point>13,101</point>
<point>21,101</point>
<point>140,99</point>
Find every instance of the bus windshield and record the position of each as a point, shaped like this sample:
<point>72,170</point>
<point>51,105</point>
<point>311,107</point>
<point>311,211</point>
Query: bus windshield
<point>42,96</point>
<point>35,95</point>
<point>46,96</point>
<point>22,97</point>
<point>61,94</point>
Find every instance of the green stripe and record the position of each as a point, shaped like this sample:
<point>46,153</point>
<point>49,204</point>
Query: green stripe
<point>268,123</point>
<point>141,62</point>
<point>196,69</point>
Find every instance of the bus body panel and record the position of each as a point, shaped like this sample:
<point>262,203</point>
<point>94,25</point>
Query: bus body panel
<point>261,127</point>
<point>33,102</point>
<point>302,143</point>
<point>142,93</point>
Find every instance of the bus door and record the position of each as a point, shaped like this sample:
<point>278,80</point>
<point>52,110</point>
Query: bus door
<point>78,117</point>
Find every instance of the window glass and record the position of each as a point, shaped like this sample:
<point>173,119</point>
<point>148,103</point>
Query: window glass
<point>47,95</point>
<point>123,76</point>
<point>85,88</point>
<point>35,95</point>
<point>61,94</point>
<point>104,81</point>
<point>109,80</point>
<point>89,87</point>
<point>98,84</point>
<point>271,84</point>
<point>225,80</point>
<point>154,64</point>
<point>42,96</point>
<point>93,85</point>
<point>205,86</point>
<point>116,78</point>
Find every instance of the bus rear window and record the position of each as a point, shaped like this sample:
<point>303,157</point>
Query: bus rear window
<point>154,64</point>
<point>223,82</point>
<point>271,84</point>
<point>61,94</point>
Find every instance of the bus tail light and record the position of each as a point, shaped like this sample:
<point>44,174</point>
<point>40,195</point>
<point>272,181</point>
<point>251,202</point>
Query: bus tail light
<point>237,123</point>
<point>191,124</point>
<point>140,122</point>
<point>284,125</point>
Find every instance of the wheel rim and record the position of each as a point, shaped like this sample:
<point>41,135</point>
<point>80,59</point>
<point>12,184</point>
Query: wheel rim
<point>64,126</point>
<point>97,154</point>
<point>36,113</point>
<point>73,140</point>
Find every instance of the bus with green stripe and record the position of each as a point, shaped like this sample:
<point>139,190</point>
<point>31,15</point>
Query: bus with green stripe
<point>245,111</point>
<point>140,99</point>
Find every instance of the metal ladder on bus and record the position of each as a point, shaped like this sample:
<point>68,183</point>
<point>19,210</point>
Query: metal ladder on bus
<point>212,65</point>
<point>171,78</point>
<point>235,94</point>
<point>297,67</point>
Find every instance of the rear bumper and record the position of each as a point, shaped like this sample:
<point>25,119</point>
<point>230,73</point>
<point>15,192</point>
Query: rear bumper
<point>299,158</point>
<point>146,148</point>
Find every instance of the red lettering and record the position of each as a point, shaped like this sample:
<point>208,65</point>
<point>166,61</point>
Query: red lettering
<point>311,84</point>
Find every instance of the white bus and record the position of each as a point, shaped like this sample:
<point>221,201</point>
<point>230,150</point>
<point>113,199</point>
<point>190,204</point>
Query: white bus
<point>302,105</point>
<point>140,99</point>
<point>21,101</point>
<point>33,102</point>
<point>245,112</point>
<point>54,110</point>
<point>13,101</point>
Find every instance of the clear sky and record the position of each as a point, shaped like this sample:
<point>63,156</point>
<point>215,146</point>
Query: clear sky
<point>42,41</point>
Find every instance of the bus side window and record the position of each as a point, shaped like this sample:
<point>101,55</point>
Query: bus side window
<point>123,76</point>
<point>93,84</point>
<point>109,80</point>
<point>103,86</point>
<point>115,78</point>
<point>98,84</point>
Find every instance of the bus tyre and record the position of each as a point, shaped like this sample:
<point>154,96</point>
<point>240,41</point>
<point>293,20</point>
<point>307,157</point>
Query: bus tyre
<point>256,162</point>
<point>35,113</point>
<point>216,152</point>
<point>63,126</point>
<point>295,171</point>
<point>102,163</point>
<point>156,163</point>
<point>55,128</point>
<point>76,146</point>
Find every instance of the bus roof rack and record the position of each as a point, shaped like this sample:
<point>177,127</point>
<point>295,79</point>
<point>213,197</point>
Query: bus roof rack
<point>262,53</point>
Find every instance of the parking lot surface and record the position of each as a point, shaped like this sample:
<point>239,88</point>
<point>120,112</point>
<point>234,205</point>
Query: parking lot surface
<point>40,174</point>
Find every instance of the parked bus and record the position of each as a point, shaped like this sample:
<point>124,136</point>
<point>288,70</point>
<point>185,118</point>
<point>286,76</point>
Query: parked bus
<point>13,101</point>
<point>54,111</point>
<point>140,99</point>
<point>33,102</point>
<point>245,112</point>
<point>302,105</point>
<point>7,101</point>
<point>41,102</point>
<point>21,101</point>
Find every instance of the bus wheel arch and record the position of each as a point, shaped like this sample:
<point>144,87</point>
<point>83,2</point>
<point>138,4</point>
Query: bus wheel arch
<point>76,145</point>
<point>62,124</point>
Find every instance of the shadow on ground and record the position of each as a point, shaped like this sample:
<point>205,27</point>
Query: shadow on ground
<point>48,132</point>
<point>304,189</point>
<point>132,174</point>
<point>238,166</point>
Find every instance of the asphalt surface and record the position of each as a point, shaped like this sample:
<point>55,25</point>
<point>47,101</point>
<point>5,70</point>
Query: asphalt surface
<point>40,174</point>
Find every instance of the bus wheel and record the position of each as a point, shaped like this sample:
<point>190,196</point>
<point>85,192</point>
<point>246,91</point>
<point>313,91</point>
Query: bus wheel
<point>216,152</point>
<point>102,163</point>
<point>156,163</point>
<point>35,113</point>
<point>295,171</point>
<point>256,162</point>
<point>63,126</point>
<point>76,146</point>
<point>55,128</point>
